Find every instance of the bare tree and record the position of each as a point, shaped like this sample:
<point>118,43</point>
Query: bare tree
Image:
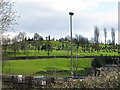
<point>7,18</point>
<point>113,35</point>
<point>15,45</point>
<point>105,33</point>
<point>5,43</point>
<point>108,41</point>
<point>36,36</point>
<point>37,41</point>
<point>8,15</point>
<point>67,38</point>
<point>23,43</point>
<point>25,47</point>
<point>96,34</point>
<point>48,45</point>
<point>21,36</point>
<point>3,49</point>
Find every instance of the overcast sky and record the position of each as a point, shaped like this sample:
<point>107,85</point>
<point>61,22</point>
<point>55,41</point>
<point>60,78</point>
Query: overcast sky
<point>51,17</point>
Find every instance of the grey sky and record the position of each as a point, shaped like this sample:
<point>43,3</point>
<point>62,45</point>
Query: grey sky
<point>50,17</point>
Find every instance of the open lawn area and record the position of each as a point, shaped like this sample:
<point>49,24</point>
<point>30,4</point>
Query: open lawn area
<point>41,66</point>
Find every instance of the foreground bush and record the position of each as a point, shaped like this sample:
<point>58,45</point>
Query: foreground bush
<point>109,80</point>
<point>106,80</point>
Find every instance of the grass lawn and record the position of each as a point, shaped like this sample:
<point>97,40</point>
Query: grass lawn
<point>63,53</point>
<point>36,66</point>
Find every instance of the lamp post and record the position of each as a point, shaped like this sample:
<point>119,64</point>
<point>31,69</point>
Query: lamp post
<point>71,14</point>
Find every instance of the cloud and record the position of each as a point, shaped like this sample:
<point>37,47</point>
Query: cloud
<point>63,5</point>
<point>50,17</point>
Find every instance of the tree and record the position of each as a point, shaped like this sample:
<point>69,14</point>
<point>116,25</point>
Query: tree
<point>8,15</point>
<point>21,36</point>
<point>113,35</point>
<point>36,36</point>
<point>5,43</point>
<point>67,38</point>
<point>62,41</point>
<point>96,34</point>
<point>105,33</point>
<point>109,41</point>
<point>15,45</point>
<point>7,18</point>
<point>37,39</point>
<point>96,47</point>
<point>48,45</point>
<point>96,64</point>
<point>102,60</point>
<point>79,39</point>
<point>23,43</point>
<point>25,47</point>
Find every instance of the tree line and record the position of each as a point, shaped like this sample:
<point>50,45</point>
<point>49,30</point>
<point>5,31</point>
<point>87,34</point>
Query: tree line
<point>20,42</point>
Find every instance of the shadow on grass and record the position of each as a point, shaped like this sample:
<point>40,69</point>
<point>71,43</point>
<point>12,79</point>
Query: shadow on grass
<point>63,73</point>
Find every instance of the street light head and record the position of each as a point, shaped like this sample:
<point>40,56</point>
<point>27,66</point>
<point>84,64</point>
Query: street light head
<point>71,13</point>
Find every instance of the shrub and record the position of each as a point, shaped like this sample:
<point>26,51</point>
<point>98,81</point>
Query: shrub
<point>110,80</point>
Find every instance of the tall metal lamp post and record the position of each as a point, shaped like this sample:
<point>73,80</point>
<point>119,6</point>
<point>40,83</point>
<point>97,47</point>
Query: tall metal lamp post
<point>71,14</point>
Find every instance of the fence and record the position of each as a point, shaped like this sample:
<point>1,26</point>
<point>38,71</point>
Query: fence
<point>26,82</point>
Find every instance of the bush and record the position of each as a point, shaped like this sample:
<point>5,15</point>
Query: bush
<point>110,80</point>
<point>96,62</point>
<point>101,60</point>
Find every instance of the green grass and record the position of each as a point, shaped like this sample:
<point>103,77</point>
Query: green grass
<point>33,66</point>
<point>63,53</point>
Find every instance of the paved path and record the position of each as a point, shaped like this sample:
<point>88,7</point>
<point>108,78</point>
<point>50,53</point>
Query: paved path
<point>39,57</point>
